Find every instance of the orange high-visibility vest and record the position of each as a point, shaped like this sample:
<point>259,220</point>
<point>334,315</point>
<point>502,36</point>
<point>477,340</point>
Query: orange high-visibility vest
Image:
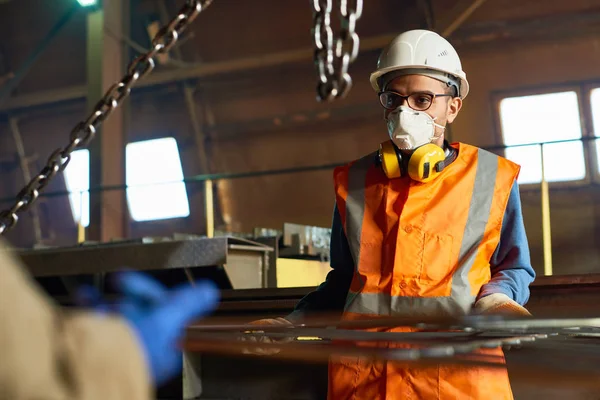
<point>421,250</point>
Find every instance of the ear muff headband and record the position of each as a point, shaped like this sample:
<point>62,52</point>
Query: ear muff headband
<point>424,165</point>
<point>388,156</point>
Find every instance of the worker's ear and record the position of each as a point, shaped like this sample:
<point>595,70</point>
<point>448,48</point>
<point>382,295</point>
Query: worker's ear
<point>454,106</point>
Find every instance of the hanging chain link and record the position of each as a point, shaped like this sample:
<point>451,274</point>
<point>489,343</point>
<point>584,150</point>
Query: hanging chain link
<point>85,131</point>
<point>333,59</point>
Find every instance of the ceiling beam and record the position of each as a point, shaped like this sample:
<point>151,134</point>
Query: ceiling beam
<point>44,97</point>
<point>557,27</point>
<point>194,72</point>
<point>454,18</point>
<point>254,62</point>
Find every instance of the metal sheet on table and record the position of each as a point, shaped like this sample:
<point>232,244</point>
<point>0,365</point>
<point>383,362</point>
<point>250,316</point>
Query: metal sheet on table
<point>90,259</point>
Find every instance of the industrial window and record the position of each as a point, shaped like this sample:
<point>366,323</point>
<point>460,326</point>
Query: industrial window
<point>540,119</point>
<point>77,180</point>
<point>595,103</point>
<point>154,176</point>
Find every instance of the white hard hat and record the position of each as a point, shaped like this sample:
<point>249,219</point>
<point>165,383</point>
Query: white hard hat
<point>423,51</point>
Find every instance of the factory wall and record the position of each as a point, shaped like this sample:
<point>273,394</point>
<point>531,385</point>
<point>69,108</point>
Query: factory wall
<point>269,119</point>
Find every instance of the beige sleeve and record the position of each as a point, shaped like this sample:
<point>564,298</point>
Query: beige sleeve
<point>49,353</point>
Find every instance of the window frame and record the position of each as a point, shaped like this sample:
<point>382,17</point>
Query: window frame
<point>594,157</point>
<point>583,91</point>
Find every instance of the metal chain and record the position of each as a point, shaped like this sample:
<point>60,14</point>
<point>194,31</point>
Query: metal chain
<point>85,131</point>
<point>332,63</point>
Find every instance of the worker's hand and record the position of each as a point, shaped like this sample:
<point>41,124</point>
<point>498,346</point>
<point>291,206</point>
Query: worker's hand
<point>499,304</point>
<point>263,339</point>
<point>157,315</point>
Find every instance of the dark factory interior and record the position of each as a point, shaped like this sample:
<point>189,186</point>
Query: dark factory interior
<point>349,199</point>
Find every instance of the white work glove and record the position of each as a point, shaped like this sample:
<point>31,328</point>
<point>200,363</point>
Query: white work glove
<point>253,339</point>
<point>499,304</point>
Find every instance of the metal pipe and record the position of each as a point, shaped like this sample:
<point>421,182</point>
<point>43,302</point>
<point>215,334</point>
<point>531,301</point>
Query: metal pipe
<point>444,347</point>
<point>470,323</point>
<point>558,354</point>
<point>80,227</point>
<point>546,229</point>
<point>210,208</point>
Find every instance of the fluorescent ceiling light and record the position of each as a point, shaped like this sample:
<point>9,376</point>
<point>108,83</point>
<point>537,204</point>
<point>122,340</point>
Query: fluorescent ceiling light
<point>87,3</point>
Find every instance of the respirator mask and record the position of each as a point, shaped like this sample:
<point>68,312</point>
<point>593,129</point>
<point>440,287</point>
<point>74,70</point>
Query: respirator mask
<point>410,129</point>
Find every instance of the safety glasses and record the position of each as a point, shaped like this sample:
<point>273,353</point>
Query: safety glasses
<point>418,101</point>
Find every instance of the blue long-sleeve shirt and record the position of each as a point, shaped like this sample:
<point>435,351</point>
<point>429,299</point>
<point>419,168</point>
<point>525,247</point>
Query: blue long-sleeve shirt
<point>511,268</point>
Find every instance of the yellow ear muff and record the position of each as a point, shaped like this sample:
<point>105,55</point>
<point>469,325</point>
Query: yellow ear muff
<point>426,163</point>
<point>389,160</point>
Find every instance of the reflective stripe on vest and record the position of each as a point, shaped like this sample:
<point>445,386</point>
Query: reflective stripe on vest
<point>460,300</point>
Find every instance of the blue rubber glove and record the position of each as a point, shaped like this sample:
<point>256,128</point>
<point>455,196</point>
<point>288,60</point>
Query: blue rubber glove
<point>157,315</point>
